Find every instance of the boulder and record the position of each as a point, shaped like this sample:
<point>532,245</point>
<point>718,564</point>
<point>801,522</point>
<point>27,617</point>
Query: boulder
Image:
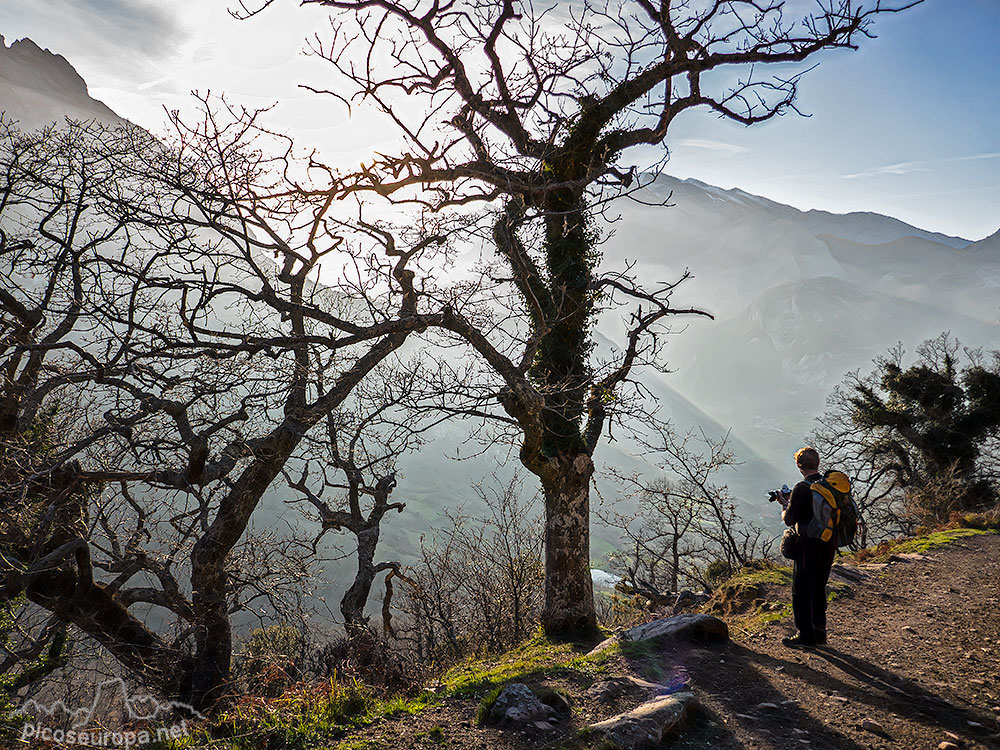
<point>694,628</point>
<point>849,573</point>
<point>647,725</point>
<point>517,706</point>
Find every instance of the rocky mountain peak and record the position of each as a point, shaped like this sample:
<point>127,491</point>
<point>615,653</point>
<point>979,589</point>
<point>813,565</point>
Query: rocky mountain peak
<point>38,86</point>
<point>26,64</point>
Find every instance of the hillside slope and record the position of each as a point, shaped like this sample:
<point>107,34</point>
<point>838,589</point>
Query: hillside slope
<point>914,656</point>
<point>914,648</point>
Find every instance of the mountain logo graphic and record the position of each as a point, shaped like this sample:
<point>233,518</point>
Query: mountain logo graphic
<point>138,708</point>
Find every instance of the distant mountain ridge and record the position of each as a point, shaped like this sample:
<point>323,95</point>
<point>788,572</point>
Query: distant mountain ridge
<point>38,87</point>
<point>800,298</point>
<point>868,227</point>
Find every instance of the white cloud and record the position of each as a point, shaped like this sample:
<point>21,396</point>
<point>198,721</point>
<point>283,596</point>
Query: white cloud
<point>709,145</point>
<point>909,167</point>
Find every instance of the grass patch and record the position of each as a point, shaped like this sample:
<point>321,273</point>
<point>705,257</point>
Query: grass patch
<point>936,539</point>
<point>920,545</point>
<point>775,574</point>
<point>764,616</point>
<point>535,656</point>
<point>303,717</point>
<point>435,735</point>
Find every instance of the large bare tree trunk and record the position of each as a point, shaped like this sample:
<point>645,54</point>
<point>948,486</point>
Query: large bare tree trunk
<point>209,581</point>
<point>562,373</point>
<point>569,591</point>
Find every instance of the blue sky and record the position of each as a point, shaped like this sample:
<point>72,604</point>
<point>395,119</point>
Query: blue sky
<point>908,126</point>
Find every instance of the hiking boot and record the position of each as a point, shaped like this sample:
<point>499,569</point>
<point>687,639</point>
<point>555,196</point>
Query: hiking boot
<point>797,641</point>
<point>821,638</point>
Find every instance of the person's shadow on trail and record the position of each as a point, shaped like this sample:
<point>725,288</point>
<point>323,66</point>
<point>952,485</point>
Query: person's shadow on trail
<point>881,689</point>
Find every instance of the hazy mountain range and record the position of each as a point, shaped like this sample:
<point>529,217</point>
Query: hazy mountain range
<point>799,297</point>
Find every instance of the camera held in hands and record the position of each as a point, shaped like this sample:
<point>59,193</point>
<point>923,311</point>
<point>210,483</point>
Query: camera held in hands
<point>780,496</point>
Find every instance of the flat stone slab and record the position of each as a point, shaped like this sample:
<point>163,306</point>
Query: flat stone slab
<point>646,725</point>
<point>909,557</point>
<point>849,573</point>
<point>694,628</point>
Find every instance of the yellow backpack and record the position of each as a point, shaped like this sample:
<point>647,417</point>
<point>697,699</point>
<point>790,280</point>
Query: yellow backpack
<point>835,516</point>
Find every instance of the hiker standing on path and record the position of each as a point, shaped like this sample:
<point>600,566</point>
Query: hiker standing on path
<point>813,560</point>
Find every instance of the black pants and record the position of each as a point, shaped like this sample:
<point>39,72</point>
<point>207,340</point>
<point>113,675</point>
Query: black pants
<point>810,572</point>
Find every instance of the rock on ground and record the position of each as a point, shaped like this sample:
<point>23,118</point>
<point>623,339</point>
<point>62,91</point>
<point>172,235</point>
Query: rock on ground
<point>517,705</point>
<point>696,628</point>
<point>646,725</point>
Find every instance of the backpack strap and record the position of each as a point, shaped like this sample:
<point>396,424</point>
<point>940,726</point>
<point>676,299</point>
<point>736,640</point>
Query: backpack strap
<point>820,486</point>
<point>823,489</point>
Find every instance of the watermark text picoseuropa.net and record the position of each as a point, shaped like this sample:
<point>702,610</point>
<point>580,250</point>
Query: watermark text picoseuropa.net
<point>124,739</point>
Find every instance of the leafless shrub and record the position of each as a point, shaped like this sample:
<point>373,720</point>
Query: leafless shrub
<point>478,585</point>
<point>686,530</point>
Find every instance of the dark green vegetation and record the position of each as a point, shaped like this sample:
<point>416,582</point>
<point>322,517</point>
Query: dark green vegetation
<point>921,438</point>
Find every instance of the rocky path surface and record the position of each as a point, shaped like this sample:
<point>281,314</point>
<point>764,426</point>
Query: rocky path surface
<point>913,662</point>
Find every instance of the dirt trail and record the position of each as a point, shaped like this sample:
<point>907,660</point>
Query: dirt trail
<point>913,662</point>
<point>914,656</point>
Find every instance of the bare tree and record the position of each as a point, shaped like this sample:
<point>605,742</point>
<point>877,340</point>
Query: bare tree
<point>357,459</point>
<point>686,520</point>
<point>661,548</point>
<point>535,105</point>
<point>164,303</point>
